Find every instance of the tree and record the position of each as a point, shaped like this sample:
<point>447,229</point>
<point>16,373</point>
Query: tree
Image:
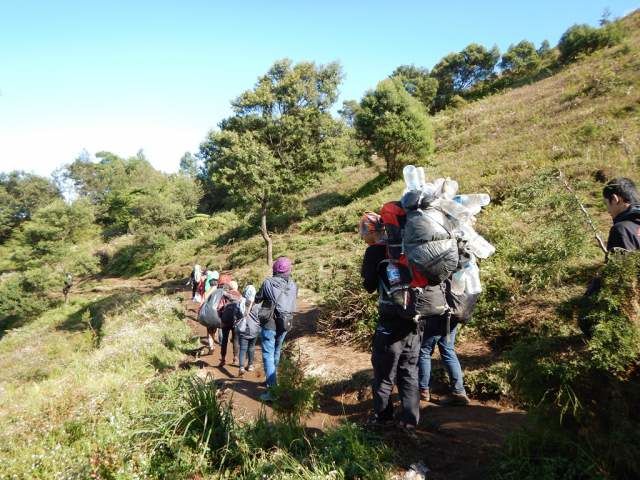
<point>395,125</point>
<point>21,195</point>
<point>585,39</point>
<point>348,112</point>
<point>280,138</point>
<point>458,72</point>
<point>520,59</point>
<point>417,82</point>
<point>189,165</point>
<point>544,49</point>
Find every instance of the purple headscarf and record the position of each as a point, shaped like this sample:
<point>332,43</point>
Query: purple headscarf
<point>282,265</point>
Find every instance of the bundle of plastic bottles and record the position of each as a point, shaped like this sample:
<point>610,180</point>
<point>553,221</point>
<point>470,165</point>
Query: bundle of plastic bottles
<point>461,210</point>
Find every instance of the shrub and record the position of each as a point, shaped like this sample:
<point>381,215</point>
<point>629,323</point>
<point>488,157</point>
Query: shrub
<point>584,39</point>
<point>351,313</point>
<point>295,393</point>
<point>586,388</point>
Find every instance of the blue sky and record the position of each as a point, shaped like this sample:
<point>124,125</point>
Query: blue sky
<point>157,75</point>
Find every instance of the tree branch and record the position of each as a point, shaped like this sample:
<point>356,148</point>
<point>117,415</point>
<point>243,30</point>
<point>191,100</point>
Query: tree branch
<point>564,180</point>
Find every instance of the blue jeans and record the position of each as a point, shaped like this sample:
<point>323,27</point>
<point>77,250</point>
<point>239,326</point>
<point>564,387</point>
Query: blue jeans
<point>448,355</point>
<point>271,348</point>
<point>247,347</point>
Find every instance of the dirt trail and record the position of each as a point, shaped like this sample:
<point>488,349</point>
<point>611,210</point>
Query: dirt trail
<point>454,442</point>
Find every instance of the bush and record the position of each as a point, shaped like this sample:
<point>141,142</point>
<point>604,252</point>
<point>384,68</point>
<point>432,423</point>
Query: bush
<point>351,313</point>
<point>584,39</point>
<point>587,388</point>
<point>294,394</point>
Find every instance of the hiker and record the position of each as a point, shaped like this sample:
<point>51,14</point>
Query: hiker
<point>396,341</point>
<point>623,204</point>
<point>233,299</point>
<point>440,331</point>
<point>194,281</point>
<point>248,329</point>
<point>278,298</point>
<point>208,284</point>
<point>68,283</point>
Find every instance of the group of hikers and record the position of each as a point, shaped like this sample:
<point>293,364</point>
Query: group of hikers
<point>419,309</point>
<point>244,317</point>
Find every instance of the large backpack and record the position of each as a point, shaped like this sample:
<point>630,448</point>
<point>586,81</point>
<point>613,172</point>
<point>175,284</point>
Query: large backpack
<point>430,246</point>
<point>210,312</point>
<point>394,219</point>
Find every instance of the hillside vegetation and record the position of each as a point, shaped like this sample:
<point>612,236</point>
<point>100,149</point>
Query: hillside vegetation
<point>81,381</point>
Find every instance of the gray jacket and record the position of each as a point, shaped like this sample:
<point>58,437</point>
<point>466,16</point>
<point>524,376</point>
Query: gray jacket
<point>280,288</point>
<point>253,325</point>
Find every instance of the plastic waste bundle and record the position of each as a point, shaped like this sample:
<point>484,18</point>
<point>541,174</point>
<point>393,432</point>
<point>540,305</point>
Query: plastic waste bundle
<point>439,237</point>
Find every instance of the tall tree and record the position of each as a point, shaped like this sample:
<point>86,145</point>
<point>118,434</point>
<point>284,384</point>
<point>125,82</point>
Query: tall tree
<point>417,82</point>
<point>280,138</point>
<point>395,125</point>
<point>21,195</point>
<point>520,59</point>
<point>458,72</point>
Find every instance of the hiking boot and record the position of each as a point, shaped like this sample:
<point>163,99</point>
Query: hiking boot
<point>376,421</point>
<point>241,371</point>
<point>425,396</point>
<point>456,400</point>
<point>250,368</point>
<point>266,397</point>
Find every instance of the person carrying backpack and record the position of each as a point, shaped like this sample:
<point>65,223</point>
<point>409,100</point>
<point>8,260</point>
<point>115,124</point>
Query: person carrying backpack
<point>194,281</point>
<point>396,342</point>
<point>68,283</point>
<point>228,315</point>
<point>248,328</point>
<point>277,297</point>
<point>208,284</point>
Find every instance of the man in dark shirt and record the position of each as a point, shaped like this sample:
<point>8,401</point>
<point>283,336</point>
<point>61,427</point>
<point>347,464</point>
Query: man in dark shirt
<point>623,204</point>
<point>396,343</point>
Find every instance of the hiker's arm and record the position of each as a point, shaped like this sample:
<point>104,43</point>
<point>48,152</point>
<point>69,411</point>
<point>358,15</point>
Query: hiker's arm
<point>369,270</point>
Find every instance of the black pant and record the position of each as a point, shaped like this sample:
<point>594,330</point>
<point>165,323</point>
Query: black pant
<point>395,361</point>
<point>225,339</point>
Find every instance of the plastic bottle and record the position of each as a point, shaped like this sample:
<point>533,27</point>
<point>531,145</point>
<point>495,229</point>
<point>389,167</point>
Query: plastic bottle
<point>411,178</point>
<point>393,274</point>
<point>449,188</point>
<point>422,179</point>
<point>472,278</point>
<point>473,201</point>
<point>476,243</point>
<point>458,281</point>
<point>458,212</point>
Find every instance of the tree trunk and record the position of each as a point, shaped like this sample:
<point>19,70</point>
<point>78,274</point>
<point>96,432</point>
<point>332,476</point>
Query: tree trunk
<point>265,232</point>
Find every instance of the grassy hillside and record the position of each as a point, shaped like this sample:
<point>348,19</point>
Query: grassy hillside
<point>79,390</point>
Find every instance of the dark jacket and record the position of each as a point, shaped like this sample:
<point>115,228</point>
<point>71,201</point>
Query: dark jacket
<point>283,289</point>
<point>373,272</point>
<point>625,232</point>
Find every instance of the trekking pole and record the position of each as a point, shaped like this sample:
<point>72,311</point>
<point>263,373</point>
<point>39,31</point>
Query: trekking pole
<point>564,180</point>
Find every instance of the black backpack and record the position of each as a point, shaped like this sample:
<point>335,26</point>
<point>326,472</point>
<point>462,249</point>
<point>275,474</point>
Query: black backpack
<point>209,314</point>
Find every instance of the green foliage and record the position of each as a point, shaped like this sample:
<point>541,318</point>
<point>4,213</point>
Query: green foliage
<point>351,314</point>
<point>457,72</point>
<point>129,195</point>
<point>281,138</point>
<point>21,195</point>
<point>295,393</point>
<point>586,388</point>
<point>395,125</point>
<point>418,83</point>
<point>584,39</point>
<point>520,59</point>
